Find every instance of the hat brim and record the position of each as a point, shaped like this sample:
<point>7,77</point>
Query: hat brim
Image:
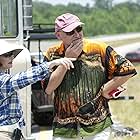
<point>8,47</point>
<point>16,52</point>
<point>72,26</point>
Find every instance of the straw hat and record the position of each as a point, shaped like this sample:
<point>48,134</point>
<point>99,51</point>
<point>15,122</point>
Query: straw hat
<point>6,47</point>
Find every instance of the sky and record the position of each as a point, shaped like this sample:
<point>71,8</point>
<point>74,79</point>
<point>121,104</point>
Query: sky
<point>82,2</point>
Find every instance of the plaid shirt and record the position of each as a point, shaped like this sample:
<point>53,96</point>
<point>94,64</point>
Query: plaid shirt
<point>10,107</point>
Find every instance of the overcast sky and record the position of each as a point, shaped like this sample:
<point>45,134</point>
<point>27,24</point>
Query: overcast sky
<point>82,2</point>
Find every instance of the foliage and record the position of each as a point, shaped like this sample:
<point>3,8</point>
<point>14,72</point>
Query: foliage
<point>103,18</point>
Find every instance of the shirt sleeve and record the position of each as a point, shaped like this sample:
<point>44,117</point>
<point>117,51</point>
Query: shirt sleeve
<point>116,65</point>
<point>9,83</point>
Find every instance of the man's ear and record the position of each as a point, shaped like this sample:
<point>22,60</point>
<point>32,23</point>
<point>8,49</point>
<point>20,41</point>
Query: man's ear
<point>58,35</point>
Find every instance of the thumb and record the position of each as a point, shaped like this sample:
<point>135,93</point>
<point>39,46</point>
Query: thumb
<point>72,59</point>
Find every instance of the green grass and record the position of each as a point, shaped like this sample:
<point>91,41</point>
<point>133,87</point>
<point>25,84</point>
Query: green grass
<point>127,112</point>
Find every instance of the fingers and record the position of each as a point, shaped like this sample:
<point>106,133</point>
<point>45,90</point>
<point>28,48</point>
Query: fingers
<point>71,45</point>
<point>72,59</point>
<point>74,50</point>
<point>76,45</point>
<point>66,62</point>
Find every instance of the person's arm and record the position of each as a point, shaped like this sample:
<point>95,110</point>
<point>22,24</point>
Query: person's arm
<point>119,70</point>
<point>73,51</point>
<point>9,84</point>
<point>12,83</point>
<point>55,79</point>
<point>114,84</point>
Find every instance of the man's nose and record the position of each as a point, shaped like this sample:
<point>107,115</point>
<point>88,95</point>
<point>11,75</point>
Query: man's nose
<point>77,34</point>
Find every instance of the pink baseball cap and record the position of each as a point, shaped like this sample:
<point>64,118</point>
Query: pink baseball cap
<point>67,22</point>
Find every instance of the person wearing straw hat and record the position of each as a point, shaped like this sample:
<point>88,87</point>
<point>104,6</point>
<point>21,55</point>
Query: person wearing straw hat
<point>11,114</point>
<point>81,109</point>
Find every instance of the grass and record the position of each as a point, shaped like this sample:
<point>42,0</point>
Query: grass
<point>127,112</point>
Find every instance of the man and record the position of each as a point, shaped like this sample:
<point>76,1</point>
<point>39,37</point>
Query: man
<point>81,97</point>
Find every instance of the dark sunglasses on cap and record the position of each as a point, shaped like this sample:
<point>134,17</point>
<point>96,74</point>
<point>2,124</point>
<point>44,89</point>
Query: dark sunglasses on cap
<point>9,54</point>
<point>78,29</point>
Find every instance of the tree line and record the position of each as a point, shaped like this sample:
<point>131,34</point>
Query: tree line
<point>102,18</point>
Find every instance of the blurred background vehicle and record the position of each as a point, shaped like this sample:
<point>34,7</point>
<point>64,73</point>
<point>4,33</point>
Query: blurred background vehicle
<point>133,56</point>
<point>41,103</point>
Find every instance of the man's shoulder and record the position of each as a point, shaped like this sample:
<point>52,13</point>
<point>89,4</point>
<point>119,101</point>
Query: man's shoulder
<point>57,48</point>
<point>91,45</point>
<point>94,42</point>
<point>54,48</point>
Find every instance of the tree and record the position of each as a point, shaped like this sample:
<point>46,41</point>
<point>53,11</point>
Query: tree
<point>103,4</point>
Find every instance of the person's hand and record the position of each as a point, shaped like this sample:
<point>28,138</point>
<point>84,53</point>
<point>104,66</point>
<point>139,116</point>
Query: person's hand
<point>66,62</point>
<point>75,48</point>
<point>114,93</point>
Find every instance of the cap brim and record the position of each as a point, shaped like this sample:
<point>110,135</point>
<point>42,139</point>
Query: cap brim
<point>72,26</point>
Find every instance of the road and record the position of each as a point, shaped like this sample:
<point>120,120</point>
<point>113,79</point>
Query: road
<point>45,133</point>
<point>127,48</point>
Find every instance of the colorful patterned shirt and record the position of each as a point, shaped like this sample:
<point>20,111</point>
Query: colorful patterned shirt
<point>78,103</point>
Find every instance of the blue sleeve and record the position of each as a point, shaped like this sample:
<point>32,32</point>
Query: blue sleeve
<point>9,83</point>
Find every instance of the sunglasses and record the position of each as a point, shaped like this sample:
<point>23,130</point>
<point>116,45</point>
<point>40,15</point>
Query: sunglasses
<point>78,29</point>
<point>9,54</point>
